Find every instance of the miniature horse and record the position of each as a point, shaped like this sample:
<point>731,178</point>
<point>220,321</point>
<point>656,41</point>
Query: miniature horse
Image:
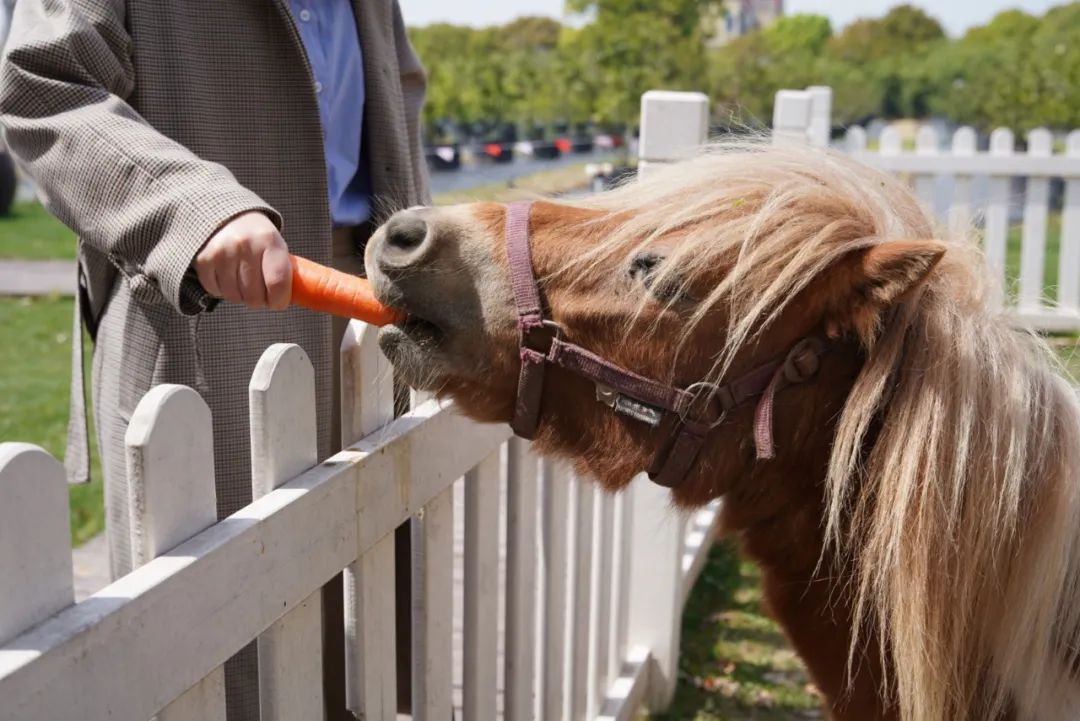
<point>907,484</point>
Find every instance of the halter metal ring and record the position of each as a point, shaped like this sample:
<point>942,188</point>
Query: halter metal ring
<point>700,404</point>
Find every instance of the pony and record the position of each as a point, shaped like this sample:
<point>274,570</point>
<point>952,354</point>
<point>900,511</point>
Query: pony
<point>916,515</point>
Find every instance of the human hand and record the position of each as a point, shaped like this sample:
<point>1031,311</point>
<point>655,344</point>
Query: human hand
<point>247,262</point>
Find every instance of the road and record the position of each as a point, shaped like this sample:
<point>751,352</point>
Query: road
<point>471,176</point>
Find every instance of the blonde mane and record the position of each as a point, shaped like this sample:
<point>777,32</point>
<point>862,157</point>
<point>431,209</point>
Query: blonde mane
<point>960,523</point>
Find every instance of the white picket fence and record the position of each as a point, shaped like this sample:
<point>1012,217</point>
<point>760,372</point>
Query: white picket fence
<point>947,179</point>
<point>592,585</point>
<point>570,602</point>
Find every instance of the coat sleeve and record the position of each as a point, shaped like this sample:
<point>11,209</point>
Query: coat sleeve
<point>145,201</point>
<point>413,90</point>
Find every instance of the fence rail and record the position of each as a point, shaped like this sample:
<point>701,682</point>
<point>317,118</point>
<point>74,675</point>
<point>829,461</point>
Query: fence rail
<point>153,642</point>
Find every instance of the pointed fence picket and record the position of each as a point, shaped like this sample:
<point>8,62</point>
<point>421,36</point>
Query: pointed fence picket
<point>35,556</point>
<point>1069,272</point>
<point>284,445</point>
<point>367,403</point>
<point>170,469</point>
<point>580,604</point>
<point>522,587</point>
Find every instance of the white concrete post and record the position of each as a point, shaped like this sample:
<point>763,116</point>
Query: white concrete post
<point>820,115</point>
<point>791,116</point>
<point>674,126</point>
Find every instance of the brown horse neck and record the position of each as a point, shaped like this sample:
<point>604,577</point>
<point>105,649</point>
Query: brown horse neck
<point>776,509</point>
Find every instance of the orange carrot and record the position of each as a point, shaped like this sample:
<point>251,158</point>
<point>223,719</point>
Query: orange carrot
<point>326,290</point>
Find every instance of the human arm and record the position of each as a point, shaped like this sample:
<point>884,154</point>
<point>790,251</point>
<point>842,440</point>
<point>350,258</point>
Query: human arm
<point>144,200</point>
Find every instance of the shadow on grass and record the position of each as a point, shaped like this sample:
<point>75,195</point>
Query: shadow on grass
<point>735,663</point>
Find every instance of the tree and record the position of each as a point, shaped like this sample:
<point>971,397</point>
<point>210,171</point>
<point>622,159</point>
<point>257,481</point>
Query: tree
<point>631,46</point>
<point>745,73</point>
<point>1017,71</point>
<point>798,35</point>
<point>887,48</point>
<point>901,31</point>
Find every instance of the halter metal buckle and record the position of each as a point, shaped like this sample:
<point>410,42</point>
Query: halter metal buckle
<point>628,406</point>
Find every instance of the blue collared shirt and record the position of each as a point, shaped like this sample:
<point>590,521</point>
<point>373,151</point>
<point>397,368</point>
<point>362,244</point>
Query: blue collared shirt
<point>328,31</point>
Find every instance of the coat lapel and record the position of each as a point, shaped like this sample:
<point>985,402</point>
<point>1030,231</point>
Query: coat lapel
<point>384,113</point>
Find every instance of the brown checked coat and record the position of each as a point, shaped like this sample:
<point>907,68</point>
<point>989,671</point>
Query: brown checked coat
<point>147,125</point>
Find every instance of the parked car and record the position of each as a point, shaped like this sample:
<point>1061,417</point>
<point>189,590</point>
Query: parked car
<point>446,156</point>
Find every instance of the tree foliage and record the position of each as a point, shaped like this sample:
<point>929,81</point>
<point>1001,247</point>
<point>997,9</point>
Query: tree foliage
<point>1017,70</point>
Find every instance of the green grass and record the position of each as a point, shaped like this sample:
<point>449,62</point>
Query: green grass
<point>1050,264</point>
<point>735,664</point>
<point>35,354</point>
<point>30,233</point>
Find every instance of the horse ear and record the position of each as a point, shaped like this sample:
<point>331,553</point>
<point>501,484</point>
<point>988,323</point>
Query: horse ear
<point>872,280</point>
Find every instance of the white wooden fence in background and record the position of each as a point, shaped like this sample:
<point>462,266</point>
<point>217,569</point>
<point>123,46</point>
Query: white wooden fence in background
<point>1014,181</point>
<point>590,586</point>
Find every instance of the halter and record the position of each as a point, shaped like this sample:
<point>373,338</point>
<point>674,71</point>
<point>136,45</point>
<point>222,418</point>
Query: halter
<point>692,412</point>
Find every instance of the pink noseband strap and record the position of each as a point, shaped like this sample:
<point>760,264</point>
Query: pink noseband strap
<point>692,413</point>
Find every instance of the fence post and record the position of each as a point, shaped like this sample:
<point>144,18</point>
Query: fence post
<point>481,598</point>
<point>1069,260</point>
<point>283,445</point>
<point>35,562</point>
<point>521,579</point>
<point>996,226</point>
<point>820,128</point>
<point>964,145</point>
<point>1033,233</point>
<point>367,403</point>
<point>791,116</point>
<point>655,614</point>
<point>674,126</point>
<point>170,467</point>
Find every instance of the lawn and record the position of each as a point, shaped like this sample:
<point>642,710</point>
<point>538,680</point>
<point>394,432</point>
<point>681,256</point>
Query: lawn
<point>1050,264</point>
<point>735,664</point>
<point>30,233</point>
<point>35,354</point>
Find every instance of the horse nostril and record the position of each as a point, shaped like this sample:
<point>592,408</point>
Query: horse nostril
<point>406,232</point>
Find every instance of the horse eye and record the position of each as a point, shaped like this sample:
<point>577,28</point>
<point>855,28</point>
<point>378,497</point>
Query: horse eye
<point>645,269</point>
<point>644,266</point>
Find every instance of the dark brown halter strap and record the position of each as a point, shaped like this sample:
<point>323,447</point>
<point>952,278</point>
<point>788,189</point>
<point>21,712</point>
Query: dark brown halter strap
<point>697,409</point>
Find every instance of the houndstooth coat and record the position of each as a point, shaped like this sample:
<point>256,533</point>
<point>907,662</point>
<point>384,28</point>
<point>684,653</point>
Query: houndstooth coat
<point>147,125</point>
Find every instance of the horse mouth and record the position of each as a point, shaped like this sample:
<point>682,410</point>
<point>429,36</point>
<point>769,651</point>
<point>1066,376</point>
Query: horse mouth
<point>420,331</point>
<point>412,346</point>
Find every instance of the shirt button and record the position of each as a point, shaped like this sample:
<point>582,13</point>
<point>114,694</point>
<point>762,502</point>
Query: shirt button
<point>318,87</point>
<point>305,15</point>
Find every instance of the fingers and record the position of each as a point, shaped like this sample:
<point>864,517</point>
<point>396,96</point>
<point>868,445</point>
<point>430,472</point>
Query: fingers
<point>277,274</point>
<point>249,279</point>
<point>247,262</point>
